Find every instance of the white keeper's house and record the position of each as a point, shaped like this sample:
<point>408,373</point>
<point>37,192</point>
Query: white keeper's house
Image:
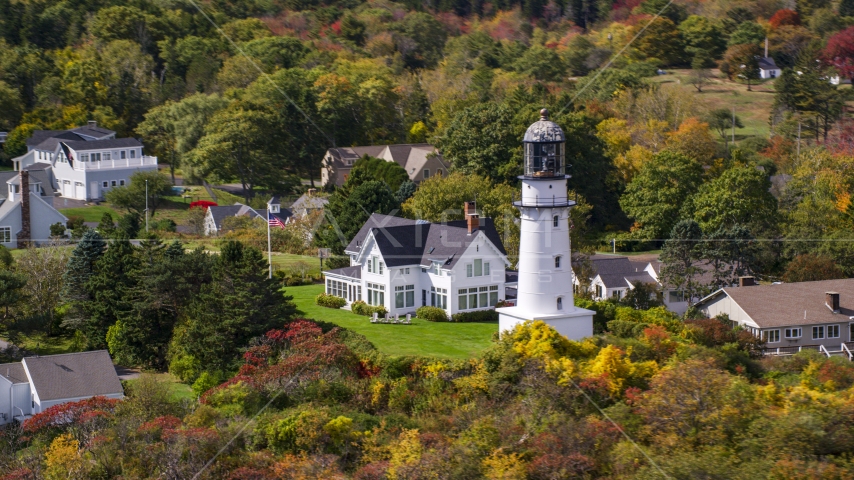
<point>403,264</point>
<point>86,161</point>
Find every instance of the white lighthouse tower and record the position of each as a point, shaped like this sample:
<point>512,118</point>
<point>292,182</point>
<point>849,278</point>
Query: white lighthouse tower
<point>545,273</point>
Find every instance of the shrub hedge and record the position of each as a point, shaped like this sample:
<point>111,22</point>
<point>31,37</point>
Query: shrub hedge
<point>329,301</point>
<point>359,307</point>
<point>431,314</point>
<point>476,316</point>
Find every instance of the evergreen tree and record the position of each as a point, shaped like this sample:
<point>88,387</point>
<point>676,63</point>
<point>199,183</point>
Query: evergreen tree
<point>406,190</point>
<point>679,257</point>
<point>11,290</point>
<point>238,304</point>
<point>108,288</point>
<point>81,267</point>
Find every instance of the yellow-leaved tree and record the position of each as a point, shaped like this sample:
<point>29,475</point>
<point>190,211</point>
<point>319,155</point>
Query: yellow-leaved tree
<point>63,459</point>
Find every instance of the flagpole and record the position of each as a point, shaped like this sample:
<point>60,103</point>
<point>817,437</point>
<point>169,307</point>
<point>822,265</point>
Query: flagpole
<point>269,245</point>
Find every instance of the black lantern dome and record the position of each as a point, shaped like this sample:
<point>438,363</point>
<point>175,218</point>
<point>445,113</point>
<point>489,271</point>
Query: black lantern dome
<point>545,146</point>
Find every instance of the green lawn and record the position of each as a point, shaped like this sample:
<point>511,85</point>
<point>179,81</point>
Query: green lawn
<point>90,214</point>
<point>40,344</point>
<point>180,391</point>
<point>447,340</point>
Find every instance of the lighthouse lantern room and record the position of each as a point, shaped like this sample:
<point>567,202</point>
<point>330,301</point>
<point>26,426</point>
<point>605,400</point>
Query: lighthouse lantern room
<point>545,271</point>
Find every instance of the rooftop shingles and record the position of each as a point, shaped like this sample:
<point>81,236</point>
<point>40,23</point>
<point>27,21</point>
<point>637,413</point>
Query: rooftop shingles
<point>73,375</point>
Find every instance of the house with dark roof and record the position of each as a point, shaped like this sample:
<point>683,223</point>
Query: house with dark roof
<point>26,207</point>
<point>87,161</point>
<point>310,202</point>
<point>614,275</point>
<point>37,383</point>
<point>404,264</point>
<point>420,160</point>
<point>216,214</point>
<point>790,316</point>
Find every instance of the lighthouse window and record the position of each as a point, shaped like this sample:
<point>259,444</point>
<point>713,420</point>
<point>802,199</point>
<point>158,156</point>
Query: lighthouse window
<point>560,303</point>
<point>557,261</point>
<point>556,220</point>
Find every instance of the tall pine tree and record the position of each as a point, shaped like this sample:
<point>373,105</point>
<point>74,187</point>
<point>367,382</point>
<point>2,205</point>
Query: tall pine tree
<point>81,267</point>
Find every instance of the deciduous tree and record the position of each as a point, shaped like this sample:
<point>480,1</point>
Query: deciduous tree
<point>132,197</point>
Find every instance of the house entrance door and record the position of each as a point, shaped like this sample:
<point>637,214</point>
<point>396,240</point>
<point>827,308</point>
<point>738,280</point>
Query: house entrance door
<point>94,190</point>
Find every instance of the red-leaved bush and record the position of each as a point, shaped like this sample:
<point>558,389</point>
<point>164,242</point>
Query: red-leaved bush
<point>70,413</point>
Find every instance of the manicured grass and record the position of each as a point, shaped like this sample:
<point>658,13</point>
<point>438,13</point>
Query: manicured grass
<point>90,214</point>
<point>446,340</point>
<point>41,344</point>
<point>287,260</point>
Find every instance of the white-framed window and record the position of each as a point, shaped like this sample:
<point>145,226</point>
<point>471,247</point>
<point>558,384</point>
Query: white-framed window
<point>334,287</point>
<point>107,156</point>
<point>557,261</point>
<point>404,296</point>
<point>477,269</point>
<point>771,336</point>
<point>106,184</point>
<point>96,157</point>
<point>121,183</point>
<point>113,183</point>
<point>439,297</point>
<point>560,303</point>
<point>123,154</point>
<point>426,173</point>
<point>133,154</point>
<point>556,221</point>
<point>5,234</point>
<point>376,294</point>
<point>676,296</point>
<point>493,295</point>
<point>462,298</point>
<point>793,333</point>
<point>382,265</point>
<point>439,172</point>
<point>817,332</point>
<point>833,331</point>
<point>84,157</point>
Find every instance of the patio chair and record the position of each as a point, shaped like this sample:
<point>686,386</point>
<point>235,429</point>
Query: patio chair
<point>408,320</point>
<point>374,318</point>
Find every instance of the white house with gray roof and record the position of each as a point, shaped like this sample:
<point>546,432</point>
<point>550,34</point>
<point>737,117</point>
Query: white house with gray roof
<point>87,161</point>
<point>403,264</point>
<point>26,206</point>
<point>37,383</point>
<point>420,160</point>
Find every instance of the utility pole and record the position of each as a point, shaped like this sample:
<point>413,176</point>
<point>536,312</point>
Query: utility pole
<point>269,245</point>
<point>733,126</point>
<point>146,206</point>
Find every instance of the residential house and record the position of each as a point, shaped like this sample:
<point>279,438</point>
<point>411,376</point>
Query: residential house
<point>767,66</point>
<point>308,203</point>
<point>404,264</point>
<point>86,161</point>
<point>613,277</point>
<point>420,160</point>
<point>37,383</point>
<point>26,207</point>
<point>789,316</point>
<point>216,214</point>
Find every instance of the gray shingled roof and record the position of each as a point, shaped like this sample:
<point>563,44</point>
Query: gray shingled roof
<point>407,242</point>
<point>768,63</point>
<point>73,375</point>
<point>351,272</point>
<point>104,144</point>
<point>39,137</point>
<point>801,303</point>
<point>14,372</point>
<point>220,213</point>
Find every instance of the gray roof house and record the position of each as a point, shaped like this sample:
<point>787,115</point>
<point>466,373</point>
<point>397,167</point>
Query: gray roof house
<point>791,316</point>
<point>86,161</point>
<point>37,383</point>
<point>215,216</point>
<point>420,160</point>
<point>309,202</point>
<point>26,207</point>
<point>403,264</point>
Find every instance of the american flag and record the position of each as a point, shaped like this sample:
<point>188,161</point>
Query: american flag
<point>276,222</point>
<point>67,152</point>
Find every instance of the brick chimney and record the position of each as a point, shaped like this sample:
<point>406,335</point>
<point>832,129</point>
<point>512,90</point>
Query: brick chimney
<point>831,299</point>
<point>746,281</point>
<point>24,237</point>
<point>472,219</point>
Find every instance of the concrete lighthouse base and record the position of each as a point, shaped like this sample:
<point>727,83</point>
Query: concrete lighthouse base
<point>574,324</point>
